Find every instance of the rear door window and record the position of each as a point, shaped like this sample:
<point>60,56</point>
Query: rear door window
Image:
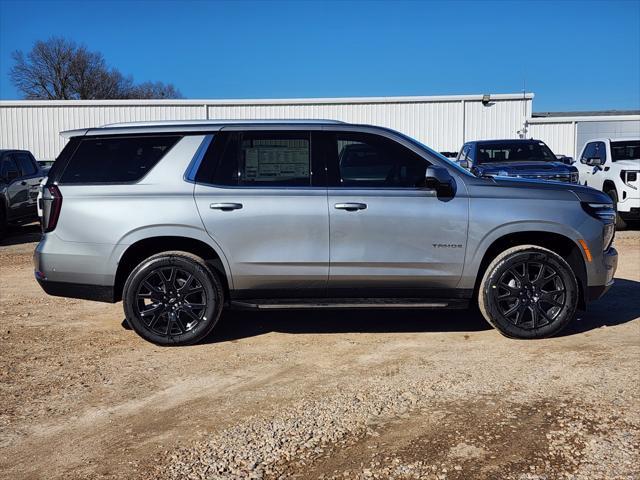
<point>258,159</point>
<point>116,159</point>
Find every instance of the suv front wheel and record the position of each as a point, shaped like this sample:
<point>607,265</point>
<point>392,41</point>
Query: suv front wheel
<point>173,298</point>
<point>528,292</point>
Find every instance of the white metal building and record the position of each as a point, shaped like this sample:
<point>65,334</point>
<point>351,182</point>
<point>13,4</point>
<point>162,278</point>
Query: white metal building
<point>442,122</point>
<point>568,134</point>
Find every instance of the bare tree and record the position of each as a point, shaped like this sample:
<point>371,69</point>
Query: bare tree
<point>58,69</point>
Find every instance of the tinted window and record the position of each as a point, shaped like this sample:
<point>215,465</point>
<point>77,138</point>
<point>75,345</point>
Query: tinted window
<point>25,163</point>
<point>8,168</point>
<point>601,151</point>
<point>589,152</point>
<point>366,160</point>
<point>116,159</point>
<point>629,150</point>
<point>514,152</point>
<point>270,159</point>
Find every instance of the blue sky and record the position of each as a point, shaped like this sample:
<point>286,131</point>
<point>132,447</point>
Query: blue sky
<point>572,55</point>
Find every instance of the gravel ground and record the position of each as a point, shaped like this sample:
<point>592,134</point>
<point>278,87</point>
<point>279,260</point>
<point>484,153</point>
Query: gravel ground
<point>318,395</point>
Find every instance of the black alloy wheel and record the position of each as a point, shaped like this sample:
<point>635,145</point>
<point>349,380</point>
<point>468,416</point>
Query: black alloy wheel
<point>173,298</point>
<point>528,292</point>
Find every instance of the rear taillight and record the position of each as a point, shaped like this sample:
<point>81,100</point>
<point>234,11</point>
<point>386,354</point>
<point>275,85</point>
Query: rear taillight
<point>54,198</point>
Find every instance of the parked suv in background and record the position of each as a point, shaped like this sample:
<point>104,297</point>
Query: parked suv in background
<point>613,166</point>
<point>515,158</point>
<point>180,220</point>
<point>20,178</point>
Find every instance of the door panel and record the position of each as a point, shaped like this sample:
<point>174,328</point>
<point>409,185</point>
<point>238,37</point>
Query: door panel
<point>398,238</point>
<point>258,199</point>
<point>403,243</point>
<point>277,243</point>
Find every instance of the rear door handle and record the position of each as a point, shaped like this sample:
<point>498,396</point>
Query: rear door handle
<point>226,207</point>
<point>350,207</point>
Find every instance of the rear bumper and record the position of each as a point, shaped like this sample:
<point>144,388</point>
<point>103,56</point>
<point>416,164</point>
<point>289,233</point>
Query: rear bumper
<point>97,293</point>
<point>73,270</point>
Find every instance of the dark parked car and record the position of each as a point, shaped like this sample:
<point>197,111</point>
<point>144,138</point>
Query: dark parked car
<point>515,158</point>
<point>20,178</point>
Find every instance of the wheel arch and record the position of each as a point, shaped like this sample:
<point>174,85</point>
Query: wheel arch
<point>556,242</point>
<point>148,246</point>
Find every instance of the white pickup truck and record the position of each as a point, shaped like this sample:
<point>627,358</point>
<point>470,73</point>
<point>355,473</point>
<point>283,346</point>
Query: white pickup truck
<point>612,165</point>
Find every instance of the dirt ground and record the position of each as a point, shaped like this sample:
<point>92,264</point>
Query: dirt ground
<point>340,394</point>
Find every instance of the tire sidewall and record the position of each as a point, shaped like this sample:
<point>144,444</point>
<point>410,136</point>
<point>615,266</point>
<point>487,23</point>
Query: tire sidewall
<point>489,304</point>
<point>621,224</point>
<point>195,266</point>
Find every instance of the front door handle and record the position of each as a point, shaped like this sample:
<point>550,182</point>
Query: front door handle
<point>350,207</point>
<point>225,207</point>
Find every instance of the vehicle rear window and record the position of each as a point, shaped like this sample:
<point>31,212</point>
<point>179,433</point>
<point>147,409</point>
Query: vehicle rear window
<point>514,152</point>
<point>627,150</point>
<point>116,159</point>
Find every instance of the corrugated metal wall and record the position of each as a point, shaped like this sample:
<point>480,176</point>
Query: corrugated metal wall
<point>560,137</point>
<point>443,123</point>
<point>37,128</point>
<point>567,135</point>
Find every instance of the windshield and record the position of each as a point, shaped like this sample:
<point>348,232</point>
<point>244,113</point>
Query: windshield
<point>514,152</point>
<point>629,150</point>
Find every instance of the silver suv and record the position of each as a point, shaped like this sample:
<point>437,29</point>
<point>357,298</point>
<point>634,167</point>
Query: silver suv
<point>183,219</point>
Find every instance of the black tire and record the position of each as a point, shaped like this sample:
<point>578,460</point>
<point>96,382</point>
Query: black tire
<point>620,222</point>
<point>528,292</point>
<point>3,223</point>
<point>173,298</point>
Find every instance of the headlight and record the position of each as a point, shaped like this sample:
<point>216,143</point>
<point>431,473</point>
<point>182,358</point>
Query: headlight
<point>607,214</point>
<point>575,177</point>
<point>628,177</point>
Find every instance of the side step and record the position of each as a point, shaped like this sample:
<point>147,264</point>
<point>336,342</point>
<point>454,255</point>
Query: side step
<point>347,303</point>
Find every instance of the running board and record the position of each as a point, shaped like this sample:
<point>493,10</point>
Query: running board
<point>306,304</point>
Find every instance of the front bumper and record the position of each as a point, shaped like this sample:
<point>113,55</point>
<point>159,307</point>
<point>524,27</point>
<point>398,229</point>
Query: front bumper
<point>610,265</point>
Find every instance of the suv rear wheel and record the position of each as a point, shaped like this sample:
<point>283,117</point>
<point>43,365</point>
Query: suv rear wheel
<point>528,292</point>
<point>173,298</point>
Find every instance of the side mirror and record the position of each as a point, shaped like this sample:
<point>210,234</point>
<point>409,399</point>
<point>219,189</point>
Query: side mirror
<point>440,180</point>
<point>594,162</point>
<point>569,160</point>
<point>464,163</point>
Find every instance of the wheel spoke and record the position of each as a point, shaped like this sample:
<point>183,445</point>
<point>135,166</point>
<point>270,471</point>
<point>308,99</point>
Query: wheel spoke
<point>512,310</point>
<point>534,316</point>
<point>544,314</point>
<point>154,309</point>
<point>190,313</point>
<point>186,284</point>
<point>540,274</point>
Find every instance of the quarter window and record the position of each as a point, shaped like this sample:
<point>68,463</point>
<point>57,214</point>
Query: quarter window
<point>366,160</point>
<point>116,159</point>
